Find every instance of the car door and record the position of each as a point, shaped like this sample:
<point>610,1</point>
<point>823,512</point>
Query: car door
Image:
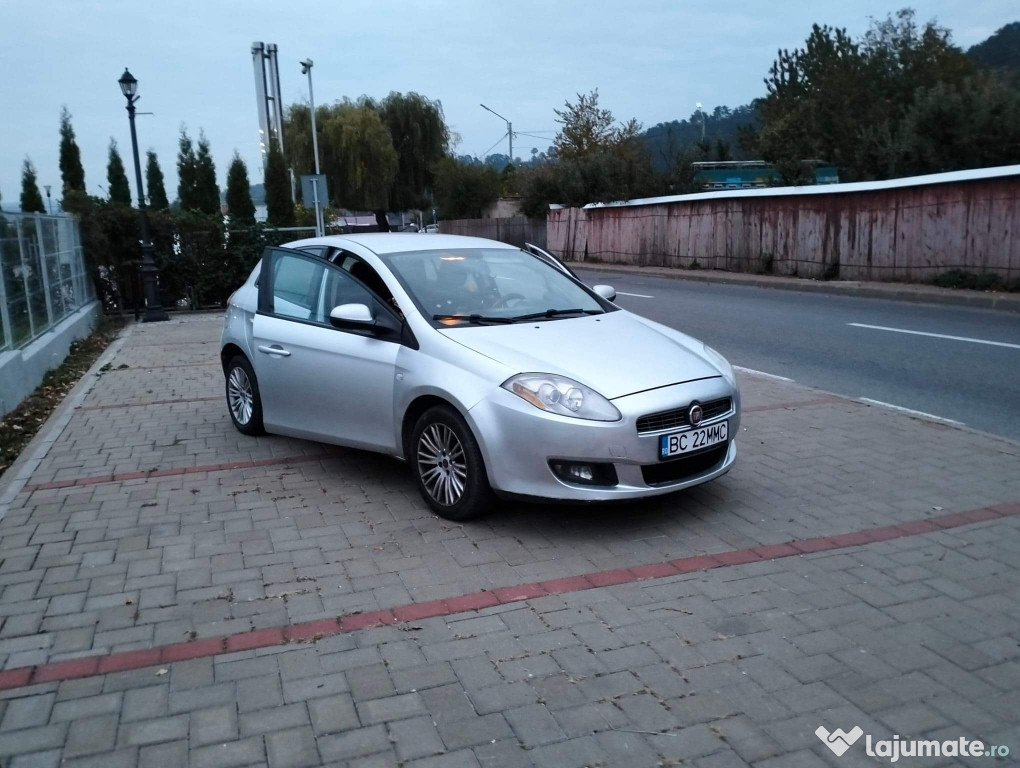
<point>318,381</point>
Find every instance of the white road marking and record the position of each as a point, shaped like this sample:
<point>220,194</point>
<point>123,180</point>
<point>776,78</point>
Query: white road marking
<point>635,295</point>
<point>910,411</point>
<point>764,375</point>
<point>936,335</point>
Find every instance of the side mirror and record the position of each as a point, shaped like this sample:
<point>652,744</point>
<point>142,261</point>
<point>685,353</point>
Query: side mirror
<point>351,314</point>
<point>607,292</point>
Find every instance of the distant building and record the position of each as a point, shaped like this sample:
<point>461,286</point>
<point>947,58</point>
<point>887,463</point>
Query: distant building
<point>749,174</point>
<point>502,208</point>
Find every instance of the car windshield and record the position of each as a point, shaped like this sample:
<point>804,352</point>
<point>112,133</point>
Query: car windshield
<point>479,285</point>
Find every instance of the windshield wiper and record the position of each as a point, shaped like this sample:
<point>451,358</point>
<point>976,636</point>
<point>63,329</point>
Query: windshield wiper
<point>475,318</point>
<point>557,312</point>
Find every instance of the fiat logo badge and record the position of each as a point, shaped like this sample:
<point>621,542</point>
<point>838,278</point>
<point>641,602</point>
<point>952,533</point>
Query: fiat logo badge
<point>695,415</point>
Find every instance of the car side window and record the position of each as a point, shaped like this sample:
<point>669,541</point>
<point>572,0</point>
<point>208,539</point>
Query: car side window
<point>297,284</point>
<point>308,289</point>
<point>357,266</point>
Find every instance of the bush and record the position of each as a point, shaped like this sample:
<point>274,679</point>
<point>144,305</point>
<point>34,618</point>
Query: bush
<point>200,261</point>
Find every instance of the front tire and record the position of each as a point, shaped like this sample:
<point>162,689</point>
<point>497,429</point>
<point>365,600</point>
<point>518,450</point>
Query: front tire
<point>243,400</point>
<point>448,465</point>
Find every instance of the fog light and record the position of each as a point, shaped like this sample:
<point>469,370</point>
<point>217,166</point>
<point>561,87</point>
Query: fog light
<point>584,473</point>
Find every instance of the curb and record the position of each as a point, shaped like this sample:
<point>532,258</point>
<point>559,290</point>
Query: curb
<point>17,475</point>
<point>1008,302</point>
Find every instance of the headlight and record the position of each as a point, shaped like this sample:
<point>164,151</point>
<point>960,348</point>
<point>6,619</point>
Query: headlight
<point>563,396</point>
<point>721,362</point>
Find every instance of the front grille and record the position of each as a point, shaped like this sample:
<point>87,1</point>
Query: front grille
<point>675,470</point>
<point>654,422</point>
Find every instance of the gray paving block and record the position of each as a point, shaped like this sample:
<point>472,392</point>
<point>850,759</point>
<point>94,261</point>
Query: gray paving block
<point>415,737</point>
<point>90,735</point>
<point>292,748</point>
<point>332,714</point>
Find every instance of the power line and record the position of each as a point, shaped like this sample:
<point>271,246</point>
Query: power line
<point>532,135</point>
<point>497,141</point>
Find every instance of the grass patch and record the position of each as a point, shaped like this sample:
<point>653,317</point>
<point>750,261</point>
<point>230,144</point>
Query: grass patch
<point>985,281</point>
<point>19,426</point>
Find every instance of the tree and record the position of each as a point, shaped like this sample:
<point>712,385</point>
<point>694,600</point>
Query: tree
<point>975,124</point>
<point>464,190</point>
<point>843,101</point>
<point>71,171</point>
<point>207,193</point>
<point>279,204</point>
<point>722,151</point>
<point>154,183</point>
<point>355,151</point>
<point>116,179</point>
<point>31,200</point>
<point>421,139</point>
<point>187,173</point>
<point>587,128</point>
<point>240,207</point>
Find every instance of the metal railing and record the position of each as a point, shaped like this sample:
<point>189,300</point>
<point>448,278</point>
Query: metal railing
<point>42,275</point>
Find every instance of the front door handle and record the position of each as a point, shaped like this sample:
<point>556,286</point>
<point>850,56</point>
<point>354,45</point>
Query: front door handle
<point>276,349</point>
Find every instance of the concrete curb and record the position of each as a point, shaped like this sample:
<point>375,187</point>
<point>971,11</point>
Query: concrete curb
<point>18,474</point>
<point>925,294</point>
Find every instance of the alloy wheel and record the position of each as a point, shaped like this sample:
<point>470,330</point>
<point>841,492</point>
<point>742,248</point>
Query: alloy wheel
<point>240,397</point>
<point>442,464</point>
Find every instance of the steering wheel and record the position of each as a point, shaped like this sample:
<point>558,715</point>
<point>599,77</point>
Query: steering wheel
<point>503,302</point>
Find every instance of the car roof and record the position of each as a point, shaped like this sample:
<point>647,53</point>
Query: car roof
<point>397,242</point>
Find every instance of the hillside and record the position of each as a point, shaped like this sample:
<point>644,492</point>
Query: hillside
<point>665,140</point>
<point>1000,51</point>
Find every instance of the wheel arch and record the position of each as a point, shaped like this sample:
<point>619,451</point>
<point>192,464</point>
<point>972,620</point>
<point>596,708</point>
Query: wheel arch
<point>415,409</point>
<point>229,352</point>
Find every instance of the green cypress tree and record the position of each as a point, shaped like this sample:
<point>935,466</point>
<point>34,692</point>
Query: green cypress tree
<point>186,173</point>
<point>207,193</point>
<point>71,171</point>
<point>31,200</point>
<point>240,207</point>
<point>116,179</point>
<point>279,204</point>
<point>154,183</point>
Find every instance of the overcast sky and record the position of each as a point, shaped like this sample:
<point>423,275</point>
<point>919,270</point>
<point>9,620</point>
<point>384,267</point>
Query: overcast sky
<point>650,59</point>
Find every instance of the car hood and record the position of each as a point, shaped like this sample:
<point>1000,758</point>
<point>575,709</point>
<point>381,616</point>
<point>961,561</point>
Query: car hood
<point>615,354</point>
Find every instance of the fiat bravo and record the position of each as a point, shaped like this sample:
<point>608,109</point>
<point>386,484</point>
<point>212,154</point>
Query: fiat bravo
<point>489,369</point>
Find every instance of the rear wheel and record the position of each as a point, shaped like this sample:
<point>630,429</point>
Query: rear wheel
<point>448,465</point>
<point>243,400</point>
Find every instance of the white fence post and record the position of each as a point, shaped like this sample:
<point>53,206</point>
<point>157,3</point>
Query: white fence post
<point>40,252</point>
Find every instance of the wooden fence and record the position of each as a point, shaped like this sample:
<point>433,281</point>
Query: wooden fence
<point>516,230</point>
<point>879,231</point>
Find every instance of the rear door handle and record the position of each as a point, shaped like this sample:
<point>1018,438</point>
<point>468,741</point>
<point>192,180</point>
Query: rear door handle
<point>276,349</point>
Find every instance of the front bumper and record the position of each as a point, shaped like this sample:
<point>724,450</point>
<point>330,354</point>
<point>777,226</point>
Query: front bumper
<point>518,441</point>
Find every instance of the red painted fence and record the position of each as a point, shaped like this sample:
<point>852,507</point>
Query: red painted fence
<point>904,230</point>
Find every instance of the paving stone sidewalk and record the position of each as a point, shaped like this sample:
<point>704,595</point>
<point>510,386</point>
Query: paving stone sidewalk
<point>150,522</point>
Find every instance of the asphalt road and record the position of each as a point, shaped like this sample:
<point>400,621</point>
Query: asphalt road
<point>810,338</point>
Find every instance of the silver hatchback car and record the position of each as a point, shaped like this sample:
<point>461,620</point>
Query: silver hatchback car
<point>486,367</point>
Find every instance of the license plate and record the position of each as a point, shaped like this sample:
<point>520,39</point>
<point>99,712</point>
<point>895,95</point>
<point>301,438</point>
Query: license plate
<point>692,440</point>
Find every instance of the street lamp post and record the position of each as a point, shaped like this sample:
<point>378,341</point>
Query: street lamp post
<point>509,129</point>
<point>320,224</point>
<point>49,200</point>
<point>153,311</point>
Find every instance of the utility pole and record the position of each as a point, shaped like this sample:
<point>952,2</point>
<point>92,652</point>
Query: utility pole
<point>320,224</point>
<point>702,113</point>
<point>509,129</point>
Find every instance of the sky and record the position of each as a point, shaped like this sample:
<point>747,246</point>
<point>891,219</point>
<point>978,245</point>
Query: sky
<point>650,59</point>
